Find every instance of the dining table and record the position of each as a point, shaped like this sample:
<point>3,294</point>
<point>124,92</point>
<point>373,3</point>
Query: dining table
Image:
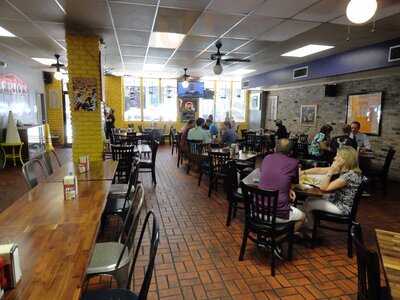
<point>55,238</point>
<point>389,251</point>
<point>98,170</point>
<point>240,156</point>
<point>253,180</point>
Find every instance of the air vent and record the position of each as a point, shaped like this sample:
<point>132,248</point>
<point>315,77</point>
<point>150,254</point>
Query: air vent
<point>394,53</point>
<point>245,84</point>
<point>300,72</point>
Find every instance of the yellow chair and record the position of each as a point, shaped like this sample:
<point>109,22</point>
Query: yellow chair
<point>13,155</point>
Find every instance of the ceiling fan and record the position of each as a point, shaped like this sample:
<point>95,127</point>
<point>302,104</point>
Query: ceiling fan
<point>219,57</point>
<point>185,77</point>
<point>58,66</point>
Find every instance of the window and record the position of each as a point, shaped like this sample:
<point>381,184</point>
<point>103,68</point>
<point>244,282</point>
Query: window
<point>223,101</point>
<point>132,99</point>
<point>152,103</point>
<point>168,107</point>
<point>238,110</point>
<point>206,104</point>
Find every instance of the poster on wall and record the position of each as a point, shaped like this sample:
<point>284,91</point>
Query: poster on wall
<point>308,115</point>
<point>85,94</point>
<point>187,109</point>
<point>366,109</point>
<point>273,108</point>
<point>255,101</point>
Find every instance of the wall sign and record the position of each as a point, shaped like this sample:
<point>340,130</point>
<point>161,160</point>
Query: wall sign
<point>308,115</point>
<point>84,93</point>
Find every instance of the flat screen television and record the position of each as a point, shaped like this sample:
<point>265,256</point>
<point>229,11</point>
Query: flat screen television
<point>194,90</point>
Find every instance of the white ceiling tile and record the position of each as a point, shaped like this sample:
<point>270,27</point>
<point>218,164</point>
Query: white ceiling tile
<point>156,60</point>
<point>130,16</point>
<point>284,8</point>
<point>40,10</point>
<point>185,4</point>
<point>144,2</point>
<point>55,30</point>
<point>254,46</point>
<point>185,55</point>
<point>287,30</point>
<point>21,28</point>
<point>87,14</point>
<point>229,44</point>
<point>175,20</point>
<point>235,6</point>
<point>44,43</point>
<point>160,52</point>
<point>251,26</point>
<point>214,24</point>
<point>198,43</point>
<point>133,59</point>
<point>323,11</point>
<point>8,12</point>
<point>132,50</point>
<point>132,37</point>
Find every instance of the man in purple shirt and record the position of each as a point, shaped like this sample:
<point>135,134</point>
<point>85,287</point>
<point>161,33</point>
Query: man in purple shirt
<point>278,172</point>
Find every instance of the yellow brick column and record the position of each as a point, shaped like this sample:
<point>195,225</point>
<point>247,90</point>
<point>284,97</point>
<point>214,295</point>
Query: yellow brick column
<point>114,90</point>
<point>87,126</point>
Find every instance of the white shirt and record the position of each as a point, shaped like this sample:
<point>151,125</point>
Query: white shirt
<point>362,140</point>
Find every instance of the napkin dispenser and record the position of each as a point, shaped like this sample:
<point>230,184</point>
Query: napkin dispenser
<point>11,269</point>
<point>70,187</point>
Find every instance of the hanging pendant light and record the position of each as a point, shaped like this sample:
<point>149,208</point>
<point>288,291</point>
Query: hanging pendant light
<point>361,11</point>
<point>218,67</point>
<point>185,82</point>
<point>57,75</point>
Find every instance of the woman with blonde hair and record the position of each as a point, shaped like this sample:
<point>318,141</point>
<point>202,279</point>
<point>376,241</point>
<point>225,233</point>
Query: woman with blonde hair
<point>343,189</point>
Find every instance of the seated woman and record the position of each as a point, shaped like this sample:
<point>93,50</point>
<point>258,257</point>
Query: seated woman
<point>228,134</point>
<point>319,147</point>
<point>343,189</point>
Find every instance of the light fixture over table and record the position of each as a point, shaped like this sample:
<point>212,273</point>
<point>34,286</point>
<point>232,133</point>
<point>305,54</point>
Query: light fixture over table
<point>185,83</point>
<point>57,75</point>
<point>361,11</point>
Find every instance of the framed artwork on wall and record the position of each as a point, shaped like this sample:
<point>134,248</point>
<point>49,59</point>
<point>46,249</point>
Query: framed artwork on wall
<point>255,100</point>
<point>308,115</point>
<point>273,108</point>
<point>365,108</point>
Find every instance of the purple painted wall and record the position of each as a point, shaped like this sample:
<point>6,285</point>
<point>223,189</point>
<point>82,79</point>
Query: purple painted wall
<point>362,59</point>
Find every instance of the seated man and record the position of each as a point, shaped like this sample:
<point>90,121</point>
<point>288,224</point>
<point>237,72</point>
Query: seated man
<point>278,172</point>
<point>198,133</point>
<point>228,134</point>
<point>361,138</point>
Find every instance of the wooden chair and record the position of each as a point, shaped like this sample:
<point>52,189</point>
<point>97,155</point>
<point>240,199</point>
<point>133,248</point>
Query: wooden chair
<point>381,175</point>
<point>261,209</point>
<point>173,140</point>
<point>149,165</point>
<point>346,220</point>
<point>124,154</point>
<point>215,168</point>
<point>194,154</point>
<point>233,192</point>
<point>369,287</point>
<point>124,293</point>
<point>251,142</point>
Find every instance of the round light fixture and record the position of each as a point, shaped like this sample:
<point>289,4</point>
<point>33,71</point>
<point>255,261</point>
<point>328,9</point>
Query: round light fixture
<point>218,67</point>
<point>58,75</point>
<point>185,84</point>
<point>361,11</point>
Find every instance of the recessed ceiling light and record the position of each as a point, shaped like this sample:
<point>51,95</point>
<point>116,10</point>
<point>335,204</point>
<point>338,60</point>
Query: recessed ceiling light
<point>307,50</point>
<point>242,72</point>
<point>168,40</point>
<point>153,67</point>
<point>45,61</point>
<point>4,32</point>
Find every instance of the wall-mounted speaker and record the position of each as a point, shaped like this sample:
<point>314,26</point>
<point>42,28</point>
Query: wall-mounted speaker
<point>47,77</point>
<point>330,90</point>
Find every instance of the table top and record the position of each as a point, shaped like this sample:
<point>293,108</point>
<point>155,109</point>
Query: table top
<point>389,250</point>
<point>253,180</point>
<point>241,156</point>
<point>55,238</point>
<point>98,170</point>
<point>11,144</point>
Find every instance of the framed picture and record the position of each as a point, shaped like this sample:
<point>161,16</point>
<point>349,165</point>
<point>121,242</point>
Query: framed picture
<point>84,94</point>
<point>188,108</point>
<point>365,108</point>
<point>255,100</point>
<point>308,115</point>
<point>273,108</point>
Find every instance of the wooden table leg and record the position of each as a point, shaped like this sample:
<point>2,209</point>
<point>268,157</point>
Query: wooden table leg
<point>20,155</point>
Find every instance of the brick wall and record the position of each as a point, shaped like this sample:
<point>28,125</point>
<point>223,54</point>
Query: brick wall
<point>333,110</point>
<point>84,61</point>
<point>55,116</point>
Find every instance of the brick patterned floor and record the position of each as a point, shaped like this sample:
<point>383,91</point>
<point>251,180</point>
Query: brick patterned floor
<point>198,254</point>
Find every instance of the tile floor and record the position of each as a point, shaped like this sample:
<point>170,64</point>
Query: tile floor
<point>198,254</point>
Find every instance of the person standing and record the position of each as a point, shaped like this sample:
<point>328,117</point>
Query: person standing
<point>110,123</point>
<point>319,147</point>
<point>361,138</point>
<point>228,134</point>
<point>212,126</point>
<point>281,132</point>
<point>278,172</point>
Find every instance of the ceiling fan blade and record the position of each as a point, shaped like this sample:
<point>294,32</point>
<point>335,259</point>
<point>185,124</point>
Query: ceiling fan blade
<point>235,60</point>
<point>214,56</point>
